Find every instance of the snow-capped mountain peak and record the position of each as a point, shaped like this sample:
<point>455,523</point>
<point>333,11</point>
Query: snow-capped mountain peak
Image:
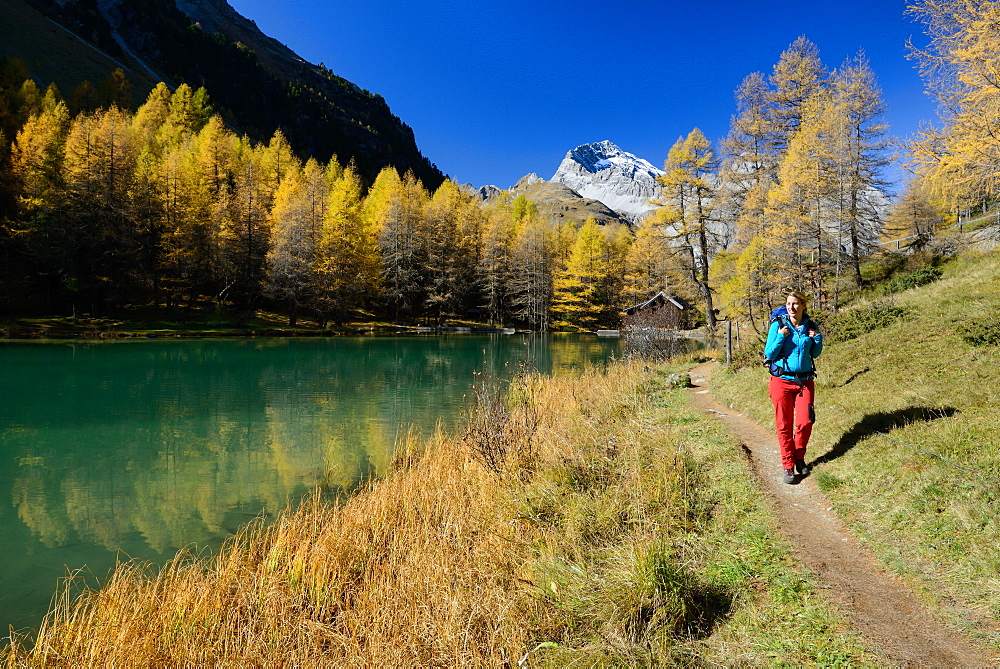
<point>602,171</point>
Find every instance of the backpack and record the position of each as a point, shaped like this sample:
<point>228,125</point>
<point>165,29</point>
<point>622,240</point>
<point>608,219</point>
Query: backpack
<point>781,314</point>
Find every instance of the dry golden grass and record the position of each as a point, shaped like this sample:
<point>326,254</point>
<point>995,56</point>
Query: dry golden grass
<point>574,523</point>
<point>429,566</point>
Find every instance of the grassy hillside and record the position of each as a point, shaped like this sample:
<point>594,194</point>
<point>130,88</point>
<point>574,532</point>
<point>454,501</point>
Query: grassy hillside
<point>54,54</point>
<point>593,521</point>
<point>907,441</point>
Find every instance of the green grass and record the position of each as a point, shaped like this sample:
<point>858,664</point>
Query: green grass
<point>778,617</point>
<point>908,435</point>
<point>725,578</point>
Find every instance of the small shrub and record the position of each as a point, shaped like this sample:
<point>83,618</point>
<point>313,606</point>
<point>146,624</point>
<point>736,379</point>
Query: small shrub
<point>749,355</point>
<point>880,267</point>
<point>920,277</point>
<point>852,324</point>
<point>651,345</point>
<point>982,332</point>
<point>501,430</point>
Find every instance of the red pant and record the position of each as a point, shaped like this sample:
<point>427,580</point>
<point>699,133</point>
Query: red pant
<point>791,408</point>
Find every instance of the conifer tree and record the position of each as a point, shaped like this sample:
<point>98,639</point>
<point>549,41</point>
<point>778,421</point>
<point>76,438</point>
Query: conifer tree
<point>449,248</point>
<point>859,154</point>
<point>52,98</point>
<point>299,204</point>
<point>469,231</point>
<point>36,156</point>
<point>687,216</point>
<point>184,215</point>
<point>99,171</point>
<point>349,265</point>
<point>151,116</point>
<point>278,160</point>
<point>619,240</point>
<point>533,264</point>
<point>187,113</point>
<point>749,281</point>
<point>36,230</point>
<point>495,262</point>
<point>916,216</point>
<point>115,90</point>
<point>750,163</point>
<point>646,263</point>
<point>961,160</point>
<point>394,207</point>
<point>797,205</point>
<point>577,298</point>
<point>84,98</point>
<point>797,75</point>
<point>769,116</point>
<point>748,171</point>
<point>215,148</point>
<point>242,212</point>
<point>194,182</point>
<point>29,100</point>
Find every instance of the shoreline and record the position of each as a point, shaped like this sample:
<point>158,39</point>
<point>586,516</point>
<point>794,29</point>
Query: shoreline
<point>94,334</point>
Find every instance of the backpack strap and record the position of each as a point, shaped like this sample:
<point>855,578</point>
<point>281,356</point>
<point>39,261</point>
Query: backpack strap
<point>800,377</point>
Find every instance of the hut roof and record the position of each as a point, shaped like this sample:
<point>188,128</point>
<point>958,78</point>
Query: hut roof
<point>656,299</point>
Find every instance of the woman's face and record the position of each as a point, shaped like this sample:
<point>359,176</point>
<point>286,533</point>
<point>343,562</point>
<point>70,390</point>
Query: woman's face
<point>795,307</point>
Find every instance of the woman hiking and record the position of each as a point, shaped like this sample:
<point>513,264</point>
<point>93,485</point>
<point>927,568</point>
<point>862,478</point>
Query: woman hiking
<point>793,340</point>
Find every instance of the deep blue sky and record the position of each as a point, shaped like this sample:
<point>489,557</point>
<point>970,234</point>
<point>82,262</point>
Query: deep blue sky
<point>495,90</point>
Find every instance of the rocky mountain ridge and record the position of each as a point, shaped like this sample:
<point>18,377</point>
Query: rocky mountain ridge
<point>598,181</point>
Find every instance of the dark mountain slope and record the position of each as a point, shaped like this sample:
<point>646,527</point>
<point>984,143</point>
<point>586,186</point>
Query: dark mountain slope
<point>53,53</point>
<point>256,83</point>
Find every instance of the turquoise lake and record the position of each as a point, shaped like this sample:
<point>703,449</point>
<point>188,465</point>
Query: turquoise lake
<point>135,449</point>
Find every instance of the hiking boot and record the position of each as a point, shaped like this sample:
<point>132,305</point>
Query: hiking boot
<point>801,468</point>
<point>789,476</point>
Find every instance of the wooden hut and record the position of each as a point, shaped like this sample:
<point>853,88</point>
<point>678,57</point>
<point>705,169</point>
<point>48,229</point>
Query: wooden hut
<point>650,329</point>
<point>660,312</point>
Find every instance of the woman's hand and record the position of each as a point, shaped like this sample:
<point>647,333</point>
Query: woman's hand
<point>813,332</point>
<point>784,331</point>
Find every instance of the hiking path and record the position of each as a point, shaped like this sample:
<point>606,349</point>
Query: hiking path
<point>890,619</point>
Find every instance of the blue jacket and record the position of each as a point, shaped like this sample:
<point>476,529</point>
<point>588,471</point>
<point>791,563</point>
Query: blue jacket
<point>794,353</point>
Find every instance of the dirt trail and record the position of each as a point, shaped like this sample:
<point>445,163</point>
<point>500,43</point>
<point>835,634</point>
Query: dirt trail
<point>885,612</point>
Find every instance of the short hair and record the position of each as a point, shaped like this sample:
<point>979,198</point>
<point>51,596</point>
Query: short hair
<point>799,295</point>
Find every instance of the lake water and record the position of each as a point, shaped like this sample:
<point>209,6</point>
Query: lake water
<point>139,448</point>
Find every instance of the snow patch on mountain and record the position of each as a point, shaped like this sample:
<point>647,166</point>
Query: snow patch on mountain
<point>602,171</point>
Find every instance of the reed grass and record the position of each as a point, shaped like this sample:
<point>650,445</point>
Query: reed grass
<point>588,521</point>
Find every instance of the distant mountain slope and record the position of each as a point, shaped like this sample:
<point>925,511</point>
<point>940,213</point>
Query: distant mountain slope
<point>557,200</point>
<point>598,181</point>
<point>603,172</point>
<point>258,84</point>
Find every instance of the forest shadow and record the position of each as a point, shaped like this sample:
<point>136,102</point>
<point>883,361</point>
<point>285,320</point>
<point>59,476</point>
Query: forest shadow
<point>882,422</point>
